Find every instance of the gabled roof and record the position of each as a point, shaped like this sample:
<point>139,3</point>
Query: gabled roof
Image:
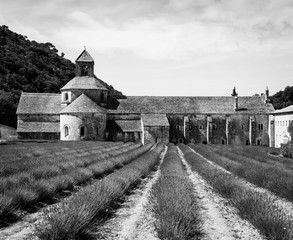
<point>83,104</point>
<point>284,110</point>
<point>193,105</point>
<point>39,103</point>
<point>129,125</point>
<point>84,82</point>
<point>84,57</point>
<point>38,127</point>
<point>154,120</point>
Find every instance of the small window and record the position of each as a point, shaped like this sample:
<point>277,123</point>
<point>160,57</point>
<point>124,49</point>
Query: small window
<point>102,97</point>
<point>258,142</point>
<point>214,126</point>
<point>243,126</point>
<point>97,131</point>
<point>84,70</point>
<point>65,96</point>
<point>260,126</point>
<point>177,126</point>
<point>223,141</point>
<point>200,126</point>
<point>82,130</point>
<point>66,131</point>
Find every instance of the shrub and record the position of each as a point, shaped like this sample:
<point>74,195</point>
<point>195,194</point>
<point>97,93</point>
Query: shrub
<point>257,207</point>
<point>76,216</point>
<point>7,206</point>
<point>287,150</point>
<point>174,203</point>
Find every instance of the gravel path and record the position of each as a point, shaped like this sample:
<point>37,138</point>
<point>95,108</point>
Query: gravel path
<point>134,220</point>
<point>220,221</point>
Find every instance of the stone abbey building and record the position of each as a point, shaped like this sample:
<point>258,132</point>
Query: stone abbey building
<point>86,109</point>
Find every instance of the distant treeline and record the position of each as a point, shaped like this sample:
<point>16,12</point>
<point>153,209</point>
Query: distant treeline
<point>283,98</point>
<point>30,66</point>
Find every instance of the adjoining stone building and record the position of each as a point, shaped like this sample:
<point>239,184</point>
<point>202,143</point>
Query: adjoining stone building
<point>85,110</point>
<point>282,118</point>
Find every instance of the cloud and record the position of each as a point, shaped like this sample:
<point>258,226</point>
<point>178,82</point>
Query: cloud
<point>158,30</point>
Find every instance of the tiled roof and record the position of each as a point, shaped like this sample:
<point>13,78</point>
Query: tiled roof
<point>39,103</point>
<point>284,110</point>
<point>192,105</point>
<point>154,120</point>
<point>38,127</point>
<point>84,57</point>
<point>82,104</point>
<point>7,127</point>
<point>84,82</point>
<point>129,125</point>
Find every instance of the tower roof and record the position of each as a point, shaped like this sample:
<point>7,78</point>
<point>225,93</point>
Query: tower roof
<point>84,82</point>
<point>84,57</point>
<point>83,104</point>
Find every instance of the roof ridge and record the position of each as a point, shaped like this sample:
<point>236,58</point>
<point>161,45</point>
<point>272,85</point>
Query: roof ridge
<point>27,93</point>
<point>196,96</point>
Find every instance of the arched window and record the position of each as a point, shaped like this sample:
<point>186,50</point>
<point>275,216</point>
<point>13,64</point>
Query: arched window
<point>102,97</point>
<point>260,126</point>
<point>82,131</point>
<point>84,70</point>
<point>200,126</point>
<point>66,131</point>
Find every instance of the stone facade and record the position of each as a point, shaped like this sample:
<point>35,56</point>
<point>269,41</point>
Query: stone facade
<point>82,112</point>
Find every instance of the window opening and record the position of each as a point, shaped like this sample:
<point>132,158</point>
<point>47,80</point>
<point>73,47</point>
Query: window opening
<point>66,131</point>
<point>82,131</point>
<point>102,97</point>
<point>84,70</point>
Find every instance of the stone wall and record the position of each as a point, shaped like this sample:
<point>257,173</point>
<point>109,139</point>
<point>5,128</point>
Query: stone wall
<point>94,126</point>
<point>39,135</point>
<point>156,134</point>
<point>238,129</point>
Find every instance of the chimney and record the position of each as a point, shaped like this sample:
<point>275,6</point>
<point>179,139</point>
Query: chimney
<point>235,95</point>
<point>267,100</point>
<point>236,103</point>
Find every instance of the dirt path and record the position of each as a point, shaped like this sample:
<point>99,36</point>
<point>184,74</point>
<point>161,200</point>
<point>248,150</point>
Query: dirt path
<point>134,220</point>
<point>220,221</point>
<point>280,203</point>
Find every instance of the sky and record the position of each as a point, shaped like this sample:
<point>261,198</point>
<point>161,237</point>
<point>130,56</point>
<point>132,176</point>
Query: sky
<point>168,47</point>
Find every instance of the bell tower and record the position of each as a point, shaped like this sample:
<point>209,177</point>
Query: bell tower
<point>85,64</point>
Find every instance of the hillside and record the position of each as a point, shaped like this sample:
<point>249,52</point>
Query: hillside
<point>30,66</point>
<point>283,98</point>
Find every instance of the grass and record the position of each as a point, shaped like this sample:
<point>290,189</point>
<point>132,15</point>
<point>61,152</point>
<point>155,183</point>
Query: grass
<point>75,217</point>
<point>256,207</point>
<point>174,203</point>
